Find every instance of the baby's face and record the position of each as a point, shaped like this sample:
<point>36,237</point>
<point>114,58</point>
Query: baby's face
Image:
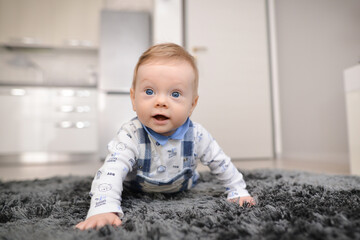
<point>164,95</point>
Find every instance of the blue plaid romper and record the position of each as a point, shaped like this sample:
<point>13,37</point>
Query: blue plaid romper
<point>136,160</point>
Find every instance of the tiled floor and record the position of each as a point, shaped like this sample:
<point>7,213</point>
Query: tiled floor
<point>89,168</point>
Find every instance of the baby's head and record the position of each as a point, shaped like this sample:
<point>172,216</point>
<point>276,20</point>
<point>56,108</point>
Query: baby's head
<point>165,53</point>
<point>164,91</point>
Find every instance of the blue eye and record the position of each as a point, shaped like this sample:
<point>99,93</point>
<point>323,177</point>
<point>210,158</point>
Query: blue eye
<point>175,94</point>
<point>149,92</point>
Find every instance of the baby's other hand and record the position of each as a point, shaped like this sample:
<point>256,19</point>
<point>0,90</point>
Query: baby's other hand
<point>242,200</point>
<point>99,220</point>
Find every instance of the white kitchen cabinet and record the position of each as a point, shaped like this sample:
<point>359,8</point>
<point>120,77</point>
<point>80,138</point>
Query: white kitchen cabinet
<point>23,112</point>
<point>77,22</point>
<point>50,23</point>
<point>26,21</point>
<point>72,126</point>
<point>52,120</point>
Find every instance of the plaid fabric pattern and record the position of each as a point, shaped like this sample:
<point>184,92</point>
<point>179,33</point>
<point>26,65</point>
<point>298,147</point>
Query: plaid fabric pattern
<point>184,180</point>
<point>187,147</point>
<point>136,161</point>
<point>144,160</point>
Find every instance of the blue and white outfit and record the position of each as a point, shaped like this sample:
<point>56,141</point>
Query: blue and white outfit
<point>143,160</point>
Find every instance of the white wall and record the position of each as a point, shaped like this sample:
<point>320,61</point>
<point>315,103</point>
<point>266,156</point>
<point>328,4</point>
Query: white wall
<point>168,21</point>
<point>316,41</point>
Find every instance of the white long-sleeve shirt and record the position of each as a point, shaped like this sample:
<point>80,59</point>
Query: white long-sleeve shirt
<point>136,160</point>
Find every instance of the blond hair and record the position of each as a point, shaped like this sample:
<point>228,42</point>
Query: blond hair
<point>167,51</point>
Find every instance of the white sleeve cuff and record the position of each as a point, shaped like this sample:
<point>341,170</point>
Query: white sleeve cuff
<point>106,209</point>
<point>238,193</point>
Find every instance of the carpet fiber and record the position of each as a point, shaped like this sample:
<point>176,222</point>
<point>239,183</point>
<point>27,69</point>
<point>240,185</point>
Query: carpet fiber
<point>291,205</point>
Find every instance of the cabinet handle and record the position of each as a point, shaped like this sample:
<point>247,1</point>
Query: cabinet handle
<point>83,93</point>
<point>66,109</point>
<point>199,49</point>
<point>17,92</point>
<point>26,41</point>
<point>82,124</point>
<point>73,93</point>
<point>78,43</point>
<point>72,42</point>
<point>69,124</point>
<point>66,93</point>
<point>65,124</point>
<point>71,109</point>
<point>83,109</point>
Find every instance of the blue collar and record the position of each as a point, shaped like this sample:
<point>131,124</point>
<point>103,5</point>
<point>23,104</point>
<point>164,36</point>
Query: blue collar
<point>177,135</point>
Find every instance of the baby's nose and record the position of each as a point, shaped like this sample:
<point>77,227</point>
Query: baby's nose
<point>161,101</point>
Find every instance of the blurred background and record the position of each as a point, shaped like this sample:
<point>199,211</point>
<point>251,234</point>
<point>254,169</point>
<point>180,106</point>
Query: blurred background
<point>279,79</point>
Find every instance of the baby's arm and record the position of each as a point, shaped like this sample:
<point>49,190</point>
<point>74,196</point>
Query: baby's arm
<point>107,186</point>
<point>221,166</point>
<point>99,220</point>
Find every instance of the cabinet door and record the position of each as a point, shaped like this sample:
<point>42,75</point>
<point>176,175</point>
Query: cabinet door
<point>22,116</point>
<point>26,21</point>
<point>9,22</point>
<point>72,127</point>
<point>77,22</point>
<point>232,55</point>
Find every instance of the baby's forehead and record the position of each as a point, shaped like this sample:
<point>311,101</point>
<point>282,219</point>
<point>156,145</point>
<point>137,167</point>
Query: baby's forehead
<point>165,61</point>
<point>178,67</point>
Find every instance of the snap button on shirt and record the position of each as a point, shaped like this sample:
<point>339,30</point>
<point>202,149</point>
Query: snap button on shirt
<point>161,169</point>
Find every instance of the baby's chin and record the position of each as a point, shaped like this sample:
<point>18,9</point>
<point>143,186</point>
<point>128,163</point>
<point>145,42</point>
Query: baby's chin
<point>160,130</point>
<point>167,134</point>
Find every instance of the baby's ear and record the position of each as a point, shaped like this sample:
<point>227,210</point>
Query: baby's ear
<point>194,103</point>
<point>132,96</point>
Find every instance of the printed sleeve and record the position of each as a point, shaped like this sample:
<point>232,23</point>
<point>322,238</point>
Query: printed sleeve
<point>211,155</point>
<point>107,186</point>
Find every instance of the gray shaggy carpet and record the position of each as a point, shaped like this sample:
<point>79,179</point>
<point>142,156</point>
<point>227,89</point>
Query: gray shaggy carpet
<point>291,205</point>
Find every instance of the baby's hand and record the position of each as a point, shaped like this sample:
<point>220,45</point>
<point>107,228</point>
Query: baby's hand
<point>242,200</point>
<point>99,220</point>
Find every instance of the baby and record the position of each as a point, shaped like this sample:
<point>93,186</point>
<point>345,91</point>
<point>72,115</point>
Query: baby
<point>158,150</point>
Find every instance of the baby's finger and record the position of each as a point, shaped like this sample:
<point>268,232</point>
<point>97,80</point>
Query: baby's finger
<point>90,225</point>
<point>100,224</point>
<point>251,202</point>
<point>117,222</point>
<point>80,226</point>
<point>234,200</point>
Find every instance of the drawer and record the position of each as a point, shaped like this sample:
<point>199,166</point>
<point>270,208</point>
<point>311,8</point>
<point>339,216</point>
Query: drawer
<point>72,136</point>
<point>74,112</point>
<point>70,96</point>
<point>48,120</point>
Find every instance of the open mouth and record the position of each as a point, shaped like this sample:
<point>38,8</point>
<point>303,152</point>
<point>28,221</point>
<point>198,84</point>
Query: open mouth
<point>160,117</point>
